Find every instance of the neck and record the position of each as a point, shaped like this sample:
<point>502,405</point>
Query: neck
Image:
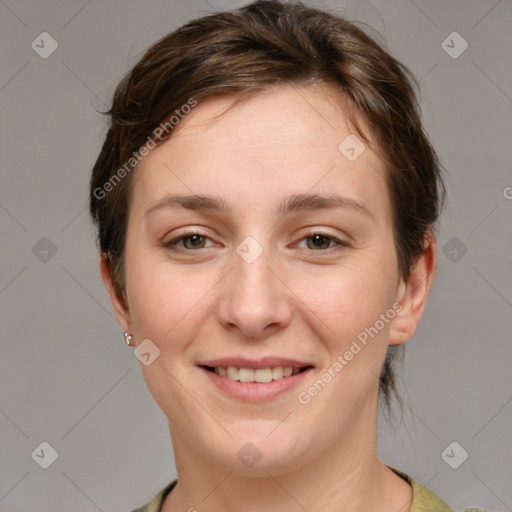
<point>347,476</point>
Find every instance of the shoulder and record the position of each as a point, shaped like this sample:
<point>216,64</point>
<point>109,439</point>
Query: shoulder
<point>156,503</point>
<point>424,500</point>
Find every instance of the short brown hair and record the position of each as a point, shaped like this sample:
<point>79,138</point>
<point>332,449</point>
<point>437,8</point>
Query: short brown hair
<point>248,50</point>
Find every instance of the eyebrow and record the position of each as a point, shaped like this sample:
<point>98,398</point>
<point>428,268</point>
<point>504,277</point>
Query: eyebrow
<point>293,204</point>
<point>307,202</point>
<point>190,202</point>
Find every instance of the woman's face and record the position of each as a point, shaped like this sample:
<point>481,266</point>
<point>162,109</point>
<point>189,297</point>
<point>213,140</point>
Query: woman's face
<point>256,241</point>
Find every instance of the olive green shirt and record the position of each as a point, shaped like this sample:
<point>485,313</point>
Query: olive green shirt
<point>423,499</point>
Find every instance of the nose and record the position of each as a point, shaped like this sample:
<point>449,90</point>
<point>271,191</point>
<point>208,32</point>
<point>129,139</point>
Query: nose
<point>254,300</point>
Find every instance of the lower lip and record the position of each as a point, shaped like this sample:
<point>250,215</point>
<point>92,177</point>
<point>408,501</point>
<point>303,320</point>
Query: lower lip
<point>255,391</point>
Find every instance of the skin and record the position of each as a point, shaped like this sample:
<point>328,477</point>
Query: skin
<point>295,300</point>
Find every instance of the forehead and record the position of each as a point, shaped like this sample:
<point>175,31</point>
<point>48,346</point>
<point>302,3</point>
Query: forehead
<point>281,115</point>
<point>288,138</point>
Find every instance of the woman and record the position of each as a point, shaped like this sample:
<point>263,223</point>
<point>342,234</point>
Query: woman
<point>266,199</point>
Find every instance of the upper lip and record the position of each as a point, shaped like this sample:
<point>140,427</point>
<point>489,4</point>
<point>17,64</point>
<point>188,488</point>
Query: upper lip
<point>264,362</point>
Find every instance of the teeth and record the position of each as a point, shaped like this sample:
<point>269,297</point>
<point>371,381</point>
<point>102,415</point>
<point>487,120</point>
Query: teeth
<point>277,373</point>
<point>256,375</point>
<point>246,375</point>
<point>232,373</point>
<point>263,375</point>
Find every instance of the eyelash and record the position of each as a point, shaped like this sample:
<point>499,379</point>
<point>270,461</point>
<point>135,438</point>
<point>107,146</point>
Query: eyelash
<point>172,244</point>
<point>340,244</point>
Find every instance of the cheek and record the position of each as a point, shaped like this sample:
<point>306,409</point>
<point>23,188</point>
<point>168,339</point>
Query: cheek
<point>347,303</point>
<point>170,311</point>
<point>349,299</point>
<point>353,338</point>
<point>168,307</point>
<point>165,301</point>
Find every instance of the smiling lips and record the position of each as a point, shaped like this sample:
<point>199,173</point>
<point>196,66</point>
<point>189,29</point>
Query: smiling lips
<point>255,380</point>
<point>255,374</point>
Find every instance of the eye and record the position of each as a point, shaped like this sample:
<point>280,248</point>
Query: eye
<point>188,242</point>
<point>317,241</point>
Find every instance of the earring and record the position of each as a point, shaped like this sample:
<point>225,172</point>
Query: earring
<point>128,338</point>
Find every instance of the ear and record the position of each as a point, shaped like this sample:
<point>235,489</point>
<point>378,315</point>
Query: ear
<point>118,303</point>
<point>413,294</point>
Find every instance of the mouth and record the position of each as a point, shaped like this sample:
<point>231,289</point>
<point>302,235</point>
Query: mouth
<point>255,381</point>
<point>257,375</point>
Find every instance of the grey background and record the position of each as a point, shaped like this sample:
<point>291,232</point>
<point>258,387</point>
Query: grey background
<point>66,376</point>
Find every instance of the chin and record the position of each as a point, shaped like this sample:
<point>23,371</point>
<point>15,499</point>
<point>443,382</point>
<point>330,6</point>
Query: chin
<point>253,452</point>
